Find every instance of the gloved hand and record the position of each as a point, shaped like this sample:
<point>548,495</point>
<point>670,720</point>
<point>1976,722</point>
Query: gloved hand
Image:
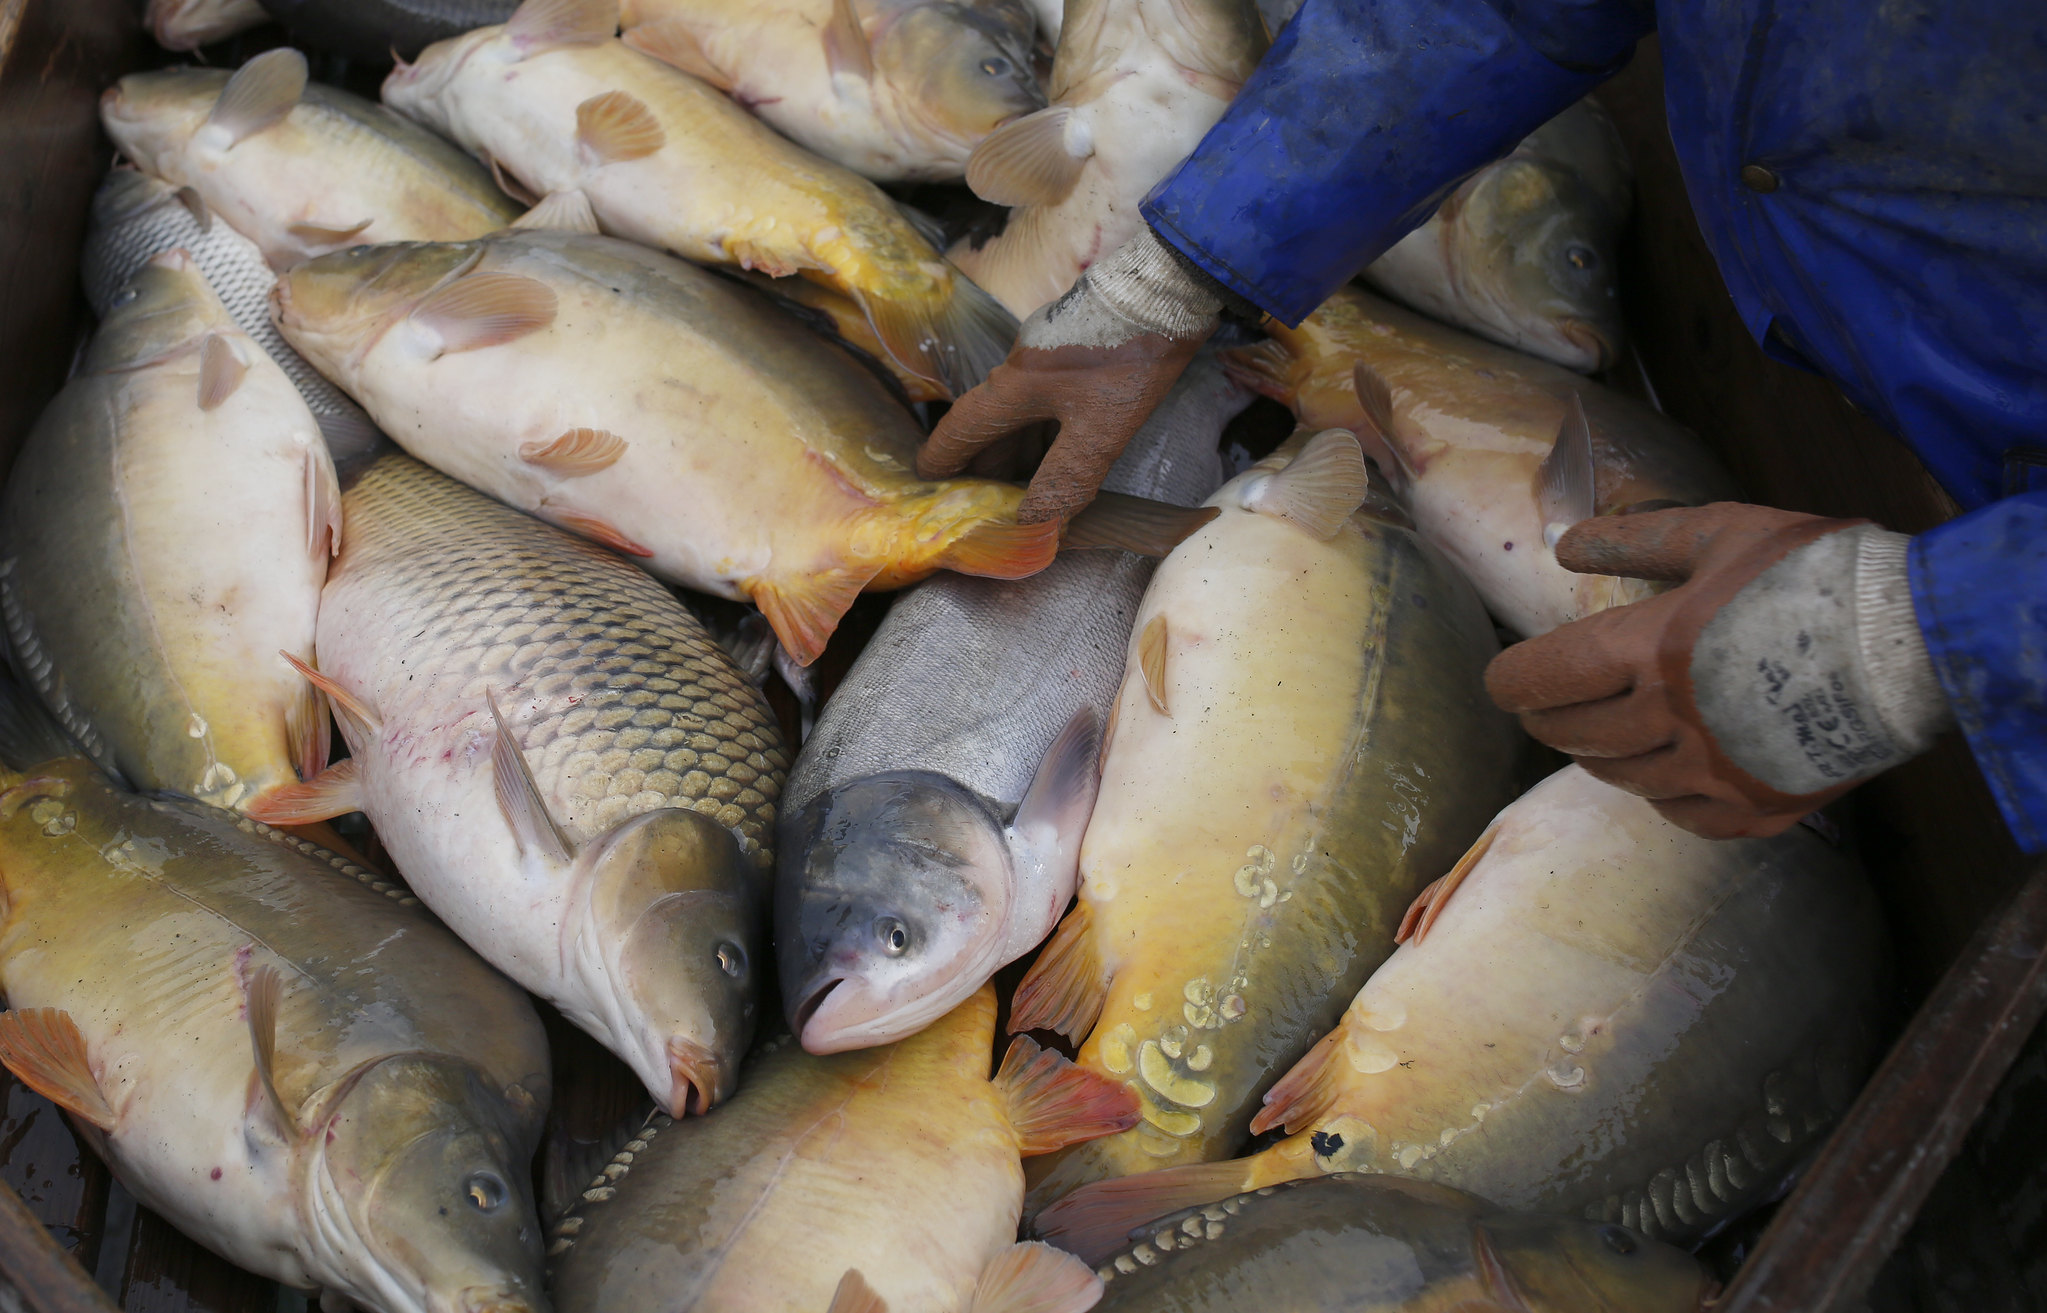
<point>1098,360</point>
<point>1787,667</point>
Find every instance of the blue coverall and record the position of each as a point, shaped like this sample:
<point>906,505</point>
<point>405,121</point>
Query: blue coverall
<point>1890,231</point>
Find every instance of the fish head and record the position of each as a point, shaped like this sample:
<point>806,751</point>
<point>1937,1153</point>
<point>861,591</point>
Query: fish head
<point>440,1216</point>
<point>1563,1264</point>
<point>1537,249</point>
<point>965,71</point>
<point>333,308</point>
<point>153,117</point>
<point>417,89</point>
<point>675,914</point>
<point>889,910</point>
<point>165,309</point>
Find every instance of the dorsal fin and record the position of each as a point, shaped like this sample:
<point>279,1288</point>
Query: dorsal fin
<point>262,994</point>
<point>260,93</point>
<point>1319,488</point>
<point>854,1295</point>
<point>845,42</point>
<point>519,793</point>
<point>542,25</point>
<point>1567,484</point>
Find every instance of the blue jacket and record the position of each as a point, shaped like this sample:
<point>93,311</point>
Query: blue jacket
<point>1902,250</point>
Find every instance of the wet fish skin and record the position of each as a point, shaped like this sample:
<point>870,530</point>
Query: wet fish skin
<point>938,76</point>
<point>156,554</point>
<point>1472,424</point>
<point>653,760</point>
<point>190,24</point>
<point>376,30</point>
<point>945,718</point>
<point>1354,1243</point>
<point>413,1078</point>
<point>334,171</point>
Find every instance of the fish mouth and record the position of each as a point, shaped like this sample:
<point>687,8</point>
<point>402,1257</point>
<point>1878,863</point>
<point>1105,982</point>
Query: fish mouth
<point>1593,345</point>
<point>693,1074</point>
<point>809,1006</point>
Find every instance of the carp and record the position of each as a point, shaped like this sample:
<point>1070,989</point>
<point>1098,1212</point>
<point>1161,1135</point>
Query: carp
<point>190,24</point>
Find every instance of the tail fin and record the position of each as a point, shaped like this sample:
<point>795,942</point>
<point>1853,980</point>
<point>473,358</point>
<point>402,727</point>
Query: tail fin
<point>29,735</point>
<point>1001,549</point>
<point>1135,524</point>
<point>955,342</point>
<point>1097,1220</point>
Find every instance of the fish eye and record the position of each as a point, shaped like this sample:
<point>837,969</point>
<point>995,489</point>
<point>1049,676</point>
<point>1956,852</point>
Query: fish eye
<point>1618,1239</point>
<point>1581,257</point>
<point>995,66</point>
<point>894,936</point>
<point>124,297</point>
<point>487,1193</point>
<point>732,960</point>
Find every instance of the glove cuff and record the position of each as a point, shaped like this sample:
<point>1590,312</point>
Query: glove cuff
<point>1895,664</point>
<point>1139,289</point>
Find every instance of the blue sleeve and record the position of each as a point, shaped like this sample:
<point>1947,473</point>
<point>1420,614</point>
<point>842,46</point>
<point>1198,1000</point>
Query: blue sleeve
<point>1979,584</point>
<point>1363,116</point>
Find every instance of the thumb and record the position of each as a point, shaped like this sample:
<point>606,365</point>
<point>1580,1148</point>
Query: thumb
<point>1664,545</point>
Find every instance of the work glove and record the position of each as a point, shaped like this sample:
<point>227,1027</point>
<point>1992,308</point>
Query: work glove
<point>1786,667</point>
<point>1097,360</point>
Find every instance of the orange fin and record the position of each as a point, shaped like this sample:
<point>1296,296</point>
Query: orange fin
<point>540,25</point>
<point>600,530</point>
<point>1264,367</point>
<point>483,310</point>
<point>854,1295</point>
<point>323,505</point>
<point>804,610</point>
<point>320,234</point>
<point>346,704</point>
<point>333,792</point>
<point>1428,905</point>
<point>1065,987</point>
<point>845,42</point>
<point>260,93</point>
<point>1095,1221</point>
<point>562,211</point>
<point>671,41</point>
<point>1319,488</point>
<point>1307,1091</point>
<point>518,793</point>
<point>1135,524</point>
<point>614,127</point>
<point>1033,1277</point>
<point>221,371</point>
<point>1002,549</point>
<point>1027,161</point>
<point>575,453</point>
<point>1151,661</point>
<point>262,994</point>
<point>44,1050</point>
<point>309,732</point>
<point>1053,1103</point>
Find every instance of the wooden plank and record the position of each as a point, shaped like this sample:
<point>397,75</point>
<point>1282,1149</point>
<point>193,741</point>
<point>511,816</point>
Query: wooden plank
<point>47,1279</point>
<point>59,1180</point>
<point>170,1273</point>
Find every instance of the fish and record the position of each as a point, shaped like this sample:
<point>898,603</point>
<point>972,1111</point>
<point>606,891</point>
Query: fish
<point>1483,447</point>
<point>1379,1244</point>
<point>895,90</point>
<point>887,1179</point>
<point>603,385</point>
<point>297,167</point>
<point>275,1049</point>
<point>166,532</point>
<point>190,24</point>
<point>1595,1013</point>
<point>1526,251</point>
<point>568,770</point>
<point>376,31</point>
<point>1301,740</point>
<point>838,316</point>
<point>931,828</point>
<point>1135,86</point>
<point>613,139</point>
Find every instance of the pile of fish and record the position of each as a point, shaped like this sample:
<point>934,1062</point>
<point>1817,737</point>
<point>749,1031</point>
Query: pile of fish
<point>444,422</point>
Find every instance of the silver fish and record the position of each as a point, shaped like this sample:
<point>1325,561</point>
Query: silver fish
<point>933,821</point>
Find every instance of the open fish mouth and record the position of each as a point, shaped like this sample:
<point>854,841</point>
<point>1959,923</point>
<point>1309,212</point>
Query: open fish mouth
<point>809,1006</point>
<point>693,1072</point>
<point>1595,347</point>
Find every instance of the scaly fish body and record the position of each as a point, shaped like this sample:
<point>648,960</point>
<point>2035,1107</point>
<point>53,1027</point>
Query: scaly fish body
<point>1301,741</point>
<point>619,884</point>
<point>1375,1244</point>
<point>190,24</point>
<point>167,530</point>
<point>1135,86</point>
<point>411,1078</point>
<point>656,156</point>
<point>296,167</point>
<point>1612,1018</point>
<point>905,97</point>
<point>1472,424</point>
<point>899,1163</point>
<point>904,807</point>
<point>376,30</point>
<point>1525,252</point>
<point>796,468</point>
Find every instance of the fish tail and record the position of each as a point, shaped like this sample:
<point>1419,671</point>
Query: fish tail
<point>1097,1220</point>
<point>1064,990</point>
<point>1002,549</point>
<point>953,338</point>
<point>1306,1092</point>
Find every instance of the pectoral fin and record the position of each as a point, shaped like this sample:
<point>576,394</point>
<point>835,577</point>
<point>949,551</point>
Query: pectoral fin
<point>260,93</point>
<point>1064,990</point>
<point>615,127</point>
<point>804,610</point>
<point>262,993</point>
<point>335,791</point>
<point>1566,484</point>
<point>575,453</point>
<point>320,234</point>
<point>46,1052</point>
<point>1033,1277</point>
<point>221,371</point>
<point>1053,1103</point>
<point>1319,488</point>
<point>845,42</point>
<point>1428,905</point>
<point>518,793</point>
<point>1044,839</point>
<point>346,704</point>
<point>308,732</point>
<point>1151,661</point>
<point>487,309</point>
<point>1375,426</point>
<point>323,505</point>
<point>1308,1090</point>
<point>541,25</point>
<point>854,1295</point>
<point>597,529</point>
<point>1027,161</point>
<point>561,211</point>
<point>673,43</point>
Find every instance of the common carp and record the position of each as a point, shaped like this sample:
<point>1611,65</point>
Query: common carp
<point>190,24</point>
<point>1595,1013</point>
<point>1526,251</point>
<point>1475,439</point>
<point>895,90</point>
<point>615,139</point>
<point>1135,86</point>
<point>296,167</point>
<point>658,408</point>
<point>566,767</point>
<point>375,31</point>
<point>931,828</point>
<point>275,1050</point>
<point>1300,742</point>
<point>885,1179</point>
<point>168,526</point>
<point>1352,1243</point>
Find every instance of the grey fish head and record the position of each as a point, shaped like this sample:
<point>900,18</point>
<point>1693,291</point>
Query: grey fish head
<point>1542,245</point>
<point>166,308</point>
<point>966,69</point>
<point>432,1169</point>
<point>890,901</point>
